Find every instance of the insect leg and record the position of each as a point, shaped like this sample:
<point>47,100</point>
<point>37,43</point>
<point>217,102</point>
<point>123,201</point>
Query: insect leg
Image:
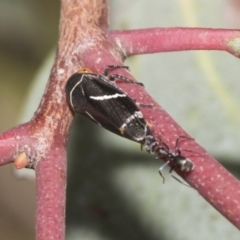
<point>112,77</point>
<point>145,105</point>
<point>161,168</point>
<point>111,67</point>
<point>124,79</point>
<point>181,181</point>
<point>177,142</point>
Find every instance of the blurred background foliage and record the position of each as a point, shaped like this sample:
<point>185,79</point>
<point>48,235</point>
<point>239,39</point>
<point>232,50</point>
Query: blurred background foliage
<point>114,191</point>
<point>28,31</point>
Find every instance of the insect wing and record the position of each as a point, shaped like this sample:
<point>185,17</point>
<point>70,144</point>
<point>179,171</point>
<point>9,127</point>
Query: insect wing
<point>95,97</point>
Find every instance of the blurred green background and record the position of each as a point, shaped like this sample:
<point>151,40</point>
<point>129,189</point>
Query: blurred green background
<point>114,191</point>
<point>28,31</point>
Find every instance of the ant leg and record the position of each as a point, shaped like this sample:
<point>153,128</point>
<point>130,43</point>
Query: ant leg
<point>188,138</point>
<point>178,139</point>
<point>161,168</point>
<point>144,105</point>
<point>172,168</point>
<point>177,150</point>
<point>181,181</point>
<point>177,178</point>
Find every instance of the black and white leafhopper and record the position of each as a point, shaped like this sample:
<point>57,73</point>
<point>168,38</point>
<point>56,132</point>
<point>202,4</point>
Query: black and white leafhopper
<point>98,98</point>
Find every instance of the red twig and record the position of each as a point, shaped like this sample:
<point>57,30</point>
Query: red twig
<point>154,40</point>
<point>85,41</point>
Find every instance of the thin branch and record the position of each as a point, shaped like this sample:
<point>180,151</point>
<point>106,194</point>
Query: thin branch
<point>154,40</point>
<point>51,196</point>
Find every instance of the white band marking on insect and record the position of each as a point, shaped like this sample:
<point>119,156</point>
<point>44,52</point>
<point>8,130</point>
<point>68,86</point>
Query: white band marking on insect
<point>116,95</point>
<point>71,92</point>
<point>137,114</point>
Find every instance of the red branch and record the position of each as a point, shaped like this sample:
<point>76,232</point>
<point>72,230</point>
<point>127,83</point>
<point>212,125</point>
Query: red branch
<point>154,40</point>
<point>85,42</point>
